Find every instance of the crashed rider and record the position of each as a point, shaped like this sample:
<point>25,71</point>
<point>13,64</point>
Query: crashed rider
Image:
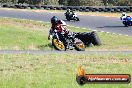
<point>58,26</point>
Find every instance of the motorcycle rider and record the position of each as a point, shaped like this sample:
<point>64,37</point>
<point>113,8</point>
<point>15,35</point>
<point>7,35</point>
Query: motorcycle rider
<point>69,12</point>
<point>58,26</point>
<point>124,16</point>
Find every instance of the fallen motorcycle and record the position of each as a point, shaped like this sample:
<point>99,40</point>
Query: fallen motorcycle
<point>63,42</point>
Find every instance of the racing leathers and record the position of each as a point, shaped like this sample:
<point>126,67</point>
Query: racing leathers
<point>123,17</point>
<point>59,28</point>
<point>69,13</point>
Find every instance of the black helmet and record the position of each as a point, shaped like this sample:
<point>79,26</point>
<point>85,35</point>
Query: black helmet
<point>54,20</point>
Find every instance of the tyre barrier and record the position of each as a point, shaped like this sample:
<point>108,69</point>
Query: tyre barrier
<point>5,6</point>
<point>37,7</point>
<point>75,8</point>
<point>32,7</point>
<point>87,10</point>
<point>64,8</point>
<point>90,37</point>
<point>50,7</point>
<point>58,8</point>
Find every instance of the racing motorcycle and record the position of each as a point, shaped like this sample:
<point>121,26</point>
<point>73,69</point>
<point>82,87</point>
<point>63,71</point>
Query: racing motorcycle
<point>127,21</point>
<point>72,17</point>
<point>63,42</point>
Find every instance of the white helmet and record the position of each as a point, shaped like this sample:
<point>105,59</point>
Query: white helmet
<point>124,14</point>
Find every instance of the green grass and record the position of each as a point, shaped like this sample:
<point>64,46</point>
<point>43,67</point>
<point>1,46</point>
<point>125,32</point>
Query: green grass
<point>59,71</point>
<point>26,34</point>
<point>18,34</point>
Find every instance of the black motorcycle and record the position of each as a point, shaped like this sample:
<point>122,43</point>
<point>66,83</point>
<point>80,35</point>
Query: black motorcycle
<point>72,16</point>
<point>63,42</point>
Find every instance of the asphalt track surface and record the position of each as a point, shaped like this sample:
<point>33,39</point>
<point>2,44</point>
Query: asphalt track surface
<point>106,24</point>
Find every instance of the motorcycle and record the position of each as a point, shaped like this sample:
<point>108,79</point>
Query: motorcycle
<point>72,17</point>
<point>63,42</point>
<point>127,21</point>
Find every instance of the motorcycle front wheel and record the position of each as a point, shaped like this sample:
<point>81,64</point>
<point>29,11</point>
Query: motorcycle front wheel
<point>79,45</point>
<point>58,45</point>
<point>77,19</point>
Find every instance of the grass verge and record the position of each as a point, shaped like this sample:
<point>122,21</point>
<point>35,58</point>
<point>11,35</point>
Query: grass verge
<point>59,70</point>
<point>26,34</point>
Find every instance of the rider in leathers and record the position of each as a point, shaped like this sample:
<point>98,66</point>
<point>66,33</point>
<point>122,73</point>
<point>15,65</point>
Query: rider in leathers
<point>58,26</point>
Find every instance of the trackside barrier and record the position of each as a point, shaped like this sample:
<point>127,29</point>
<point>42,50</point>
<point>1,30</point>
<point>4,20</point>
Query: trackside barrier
<point>75,8</point>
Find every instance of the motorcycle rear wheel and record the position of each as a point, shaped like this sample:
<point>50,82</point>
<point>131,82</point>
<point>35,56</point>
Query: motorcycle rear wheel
<point>58,45</point>
<point>125,24</point>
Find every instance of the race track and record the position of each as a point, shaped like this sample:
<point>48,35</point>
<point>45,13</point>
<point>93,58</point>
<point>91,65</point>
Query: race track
<point>107,24</point>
